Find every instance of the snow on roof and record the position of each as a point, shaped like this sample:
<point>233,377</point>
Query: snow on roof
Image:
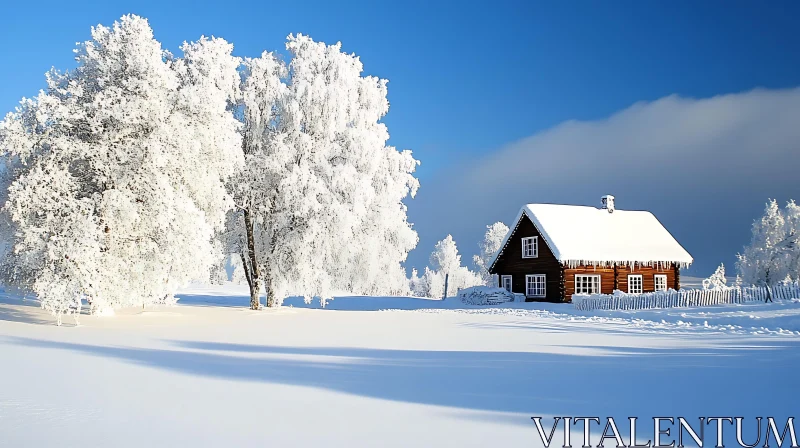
<point>581,235</point>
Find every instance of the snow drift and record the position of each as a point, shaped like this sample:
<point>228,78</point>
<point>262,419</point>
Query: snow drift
<point>485,295</point>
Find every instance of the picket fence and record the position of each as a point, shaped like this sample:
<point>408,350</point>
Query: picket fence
<point>685,297</point>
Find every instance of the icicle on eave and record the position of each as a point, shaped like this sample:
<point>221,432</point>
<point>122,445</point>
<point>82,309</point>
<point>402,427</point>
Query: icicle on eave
<point>658,264</point>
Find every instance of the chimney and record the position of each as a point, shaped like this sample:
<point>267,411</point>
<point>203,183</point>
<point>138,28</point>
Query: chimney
<point>608,203</point>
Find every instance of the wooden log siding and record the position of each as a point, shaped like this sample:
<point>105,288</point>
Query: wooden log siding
<point>606,279</point>
<point>510,262</point>
<point>617,278</point>
<point>648,277</point>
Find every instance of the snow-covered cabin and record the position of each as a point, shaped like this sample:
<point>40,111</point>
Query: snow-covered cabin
<point>554,251</point>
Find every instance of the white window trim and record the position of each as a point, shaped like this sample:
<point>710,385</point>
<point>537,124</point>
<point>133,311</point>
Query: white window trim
<point>544,285</point>
<point>599,283</point>
<point>655,282</point>
<point>535,247</point>
<point>641,283</point>
<point>510,279</point>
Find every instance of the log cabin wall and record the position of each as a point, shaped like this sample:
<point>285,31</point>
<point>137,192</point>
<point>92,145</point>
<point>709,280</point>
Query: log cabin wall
<point>510,262</point>
<point>648,277</point>
<point>617,278</point>
<point>607,279</point>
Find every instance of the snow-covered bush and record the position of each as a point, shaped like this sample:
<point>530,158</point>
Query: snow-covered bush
<point>485,295</point>
<point>774,251</point>
<point>492,240</point>
<point>717,279</point>
<point>114,175</point>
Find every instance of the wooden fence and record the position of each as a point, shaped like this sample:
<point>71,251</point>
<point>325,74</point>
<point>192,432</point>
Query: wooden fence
<point>685,297</point>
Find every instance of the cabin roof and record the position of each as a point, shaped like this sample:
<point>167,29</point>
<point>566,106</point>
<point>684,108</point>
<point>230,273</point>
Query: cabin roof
<point>581,235</point>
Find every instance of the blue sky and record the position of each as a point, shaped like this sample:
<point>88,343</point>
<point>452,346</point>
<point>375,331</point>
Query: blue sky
<point>468,80</point>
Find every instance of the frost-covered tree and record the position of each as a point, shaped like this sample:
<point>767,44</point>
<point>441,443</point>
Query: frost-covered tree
<point>445,256</point>
<point>254,188</point>
<point>416,284</point>
<point>445,264</point>
<point>791,214</point>
<point>383,239</point>
<point>320,199</point>
<point>717,280</point>
<point>115,174</point>
<point>774,251</point>
<point>492,240</point>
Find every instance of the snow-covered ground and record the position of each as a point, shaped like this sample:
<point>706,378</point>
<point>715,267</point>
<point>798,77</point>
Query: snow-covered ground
<point>371,371</point>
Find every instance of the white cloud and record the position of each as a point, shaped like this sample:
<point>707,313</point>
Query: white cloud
<point>705,167</point>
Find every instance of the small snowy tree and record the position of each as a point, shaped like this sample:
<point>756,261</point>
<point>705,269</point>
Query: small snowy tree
<point>717,280</point>
<point>446,265</point>
<point>416,284</point>
<point>115,173</point>
<point>430,284</point>
<point>445,256</point>
<point>492,240</point>
<point>774,251</point>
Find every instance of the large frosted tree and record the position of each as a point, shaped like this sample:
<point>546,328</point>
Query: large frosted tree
<point>319,203</point>
<point>255,187</point>
<point>774,251</point>
<point>115,174</point>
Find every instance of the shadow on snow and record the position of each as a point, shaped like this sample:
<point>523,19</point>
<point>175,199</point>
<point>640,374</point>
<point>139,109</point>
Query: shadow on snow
<point>754,380</point>
<point>14,308</point>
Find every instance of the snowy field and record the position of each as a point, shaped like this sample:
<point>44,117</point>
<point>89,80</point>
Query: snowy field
<point>397,372</point>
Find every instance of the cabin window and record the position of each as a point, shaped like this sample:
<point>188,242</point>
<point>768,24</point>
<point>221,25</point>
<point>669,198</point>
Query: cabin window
<point>505,282</point>
<point>535,285</point>
<point>530,247</point>
<point>587,284</point>
<point>660,282</point>
<point>635,284</point>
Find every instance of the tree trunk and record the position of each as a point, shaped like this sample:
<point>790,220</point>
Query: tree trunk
<point>268,286</point>
<point>269,290</point>
<point>246,268</point>
<point>254,279</point>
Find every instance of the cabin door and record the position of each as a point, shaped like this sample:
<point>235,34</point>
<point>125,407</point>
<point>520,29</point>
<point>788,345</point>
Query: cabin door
<point>505,282</point>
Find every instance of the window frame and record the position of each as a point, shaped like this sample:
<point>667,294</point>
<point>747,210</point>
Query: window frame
<point>656,277</point>
<point>641,284</point>
<point>535,240</point>
<point>510,279</point>
<point>598,283</point>
<point>543,285</point>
